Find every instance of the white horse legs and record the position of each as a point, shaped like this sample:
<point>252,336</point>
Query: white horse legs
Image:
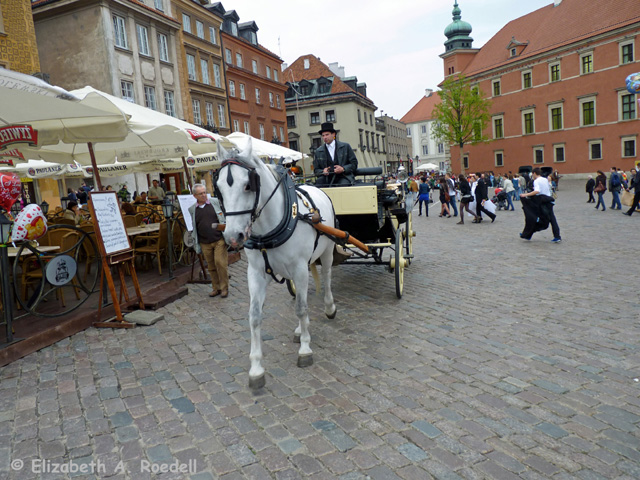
<point>305,355</point>
<point>257,289</point>
<point>326,260</point>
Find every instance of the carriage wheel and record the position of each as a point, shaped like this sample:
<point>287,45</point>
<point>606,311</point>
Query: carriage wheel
<point>399,267</point>
<point>291,287</point>
<point>408,235</point>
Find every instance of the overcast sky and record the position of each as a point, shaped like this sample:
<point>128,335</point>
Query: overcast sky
<point>392,46</point>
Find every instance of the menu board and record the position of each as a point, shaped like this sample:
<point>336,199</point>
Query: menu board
<point>109,223</point>
<point>185,202</point>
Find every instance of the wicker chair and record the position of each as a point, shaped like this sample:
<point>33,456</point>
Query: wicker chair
<point>152,245</point>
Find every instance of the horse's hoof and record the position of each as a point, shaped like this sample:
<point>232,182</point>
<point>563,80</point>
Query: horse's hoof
<point>296,338</point>
<point>257,383</point>
<point>305,360</point>
<point>331,316</point>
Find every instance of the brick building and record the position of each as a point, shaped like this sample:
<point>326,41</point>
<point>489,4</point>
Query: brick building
<point>254,80</point>
<point>556,78</point>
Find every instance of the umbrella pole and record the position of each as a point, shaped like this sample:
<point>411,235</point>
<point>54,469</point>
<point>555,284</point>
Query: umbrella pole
<point>96,173</point>
<point>186,171</point>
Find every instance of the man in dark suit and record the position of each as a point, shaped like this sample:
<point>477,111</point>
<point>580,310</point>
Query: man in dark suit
<point>635,184</point>
<point>334,162</point>
<point>482,194</point>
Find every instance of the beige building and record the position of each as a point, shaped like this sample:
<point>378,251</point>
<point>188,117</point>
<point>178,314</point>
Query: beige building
<point>321,93</point>
<point>398,146</point>
<point>127,49</point>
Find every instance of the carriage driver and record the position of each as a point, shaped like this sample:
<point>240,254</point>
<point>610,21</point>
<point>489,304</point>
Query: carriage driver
<point>334,162</point>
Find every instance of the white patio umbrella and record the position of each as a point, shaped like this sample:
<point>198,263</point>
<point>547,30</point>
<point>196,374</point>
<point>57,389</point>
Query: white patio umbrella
<point>264,148</point>
<point>427,167</point>
<point>34,114</point>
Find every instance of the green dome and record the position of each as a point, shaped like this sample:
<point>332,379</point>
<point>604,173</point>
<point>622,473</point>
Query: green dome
<point>457,32</point>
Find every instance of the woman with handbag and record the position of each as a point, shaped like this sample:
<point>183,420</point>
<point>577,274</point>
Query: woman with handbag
<point>466,197</point>
<point>444,197</point>
<point>601,187</point>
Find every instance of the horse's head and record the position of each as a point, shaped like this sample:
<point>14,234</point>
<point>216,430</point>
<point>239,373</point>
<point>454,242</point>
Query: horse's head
<point>238,189</point>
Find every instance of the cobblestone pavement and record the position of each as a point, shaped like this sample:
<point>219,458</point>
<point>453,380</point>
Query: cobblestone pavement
<point>504,359</point>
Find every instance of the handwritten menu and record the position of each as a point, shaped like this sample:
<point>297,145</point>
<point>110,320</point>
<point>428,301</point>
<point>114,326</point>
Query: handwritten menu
<point>185,202</point>
<point>109,220</point>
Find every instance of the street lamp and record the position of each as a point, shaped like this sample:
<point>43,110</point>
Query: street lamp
<point>167,210</point>
<point>45,207</point>
<point>7,301</point>
<point>15,208</point>
<point>128,197</point>
<point>64,201</point>
<point>312,149</point>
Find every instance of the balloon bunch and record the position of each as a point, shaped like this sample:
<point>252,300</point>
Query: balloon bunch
<point>633,83</point>
<point>30,223</point>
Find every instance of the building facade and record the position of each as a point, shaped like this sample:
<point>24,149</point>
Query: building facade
<point>319,93</point>
<point>127,49</point>
<point>254,80</point>
<point>18,46</point>
<point>419,121</point>
<point>397,146</point>
<point>201,67</point>
<point>556,78</point>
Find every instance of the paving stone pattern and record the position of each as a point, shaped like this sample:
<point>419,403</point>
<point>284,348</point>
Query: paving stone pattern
<point>504,359</point>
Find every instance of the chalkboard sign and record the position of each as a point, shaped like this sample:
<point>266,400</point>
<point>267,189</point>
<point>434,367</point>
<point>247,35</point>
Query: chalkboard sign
<point>108,223</point>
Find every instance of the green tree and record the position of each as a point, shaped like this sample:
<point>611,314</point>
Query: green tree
<point>462,114</point>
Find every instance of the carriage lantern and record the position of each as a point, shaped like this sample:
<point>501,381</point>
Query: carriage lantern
<point>45,207</point>
<point>5,229</point>
<point>167,208</point>
<point>15,208</point>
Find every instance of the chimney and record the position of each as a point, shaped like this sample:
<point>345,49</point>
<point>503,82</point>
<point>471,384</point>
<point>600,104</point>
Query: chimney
<point>556,2</point>
<point>428,92</point>
<point>337,69</point>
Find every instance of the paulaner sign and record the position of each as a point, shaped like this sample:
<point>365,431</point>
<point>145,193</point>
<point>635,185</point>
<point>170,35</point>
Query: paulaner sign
<point>18,134</point>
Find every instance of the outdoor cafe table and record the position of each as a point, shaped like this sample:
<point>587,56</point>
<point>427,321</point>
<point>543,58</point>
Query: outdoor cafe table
<point>13,251</point>
<point>151,228</point>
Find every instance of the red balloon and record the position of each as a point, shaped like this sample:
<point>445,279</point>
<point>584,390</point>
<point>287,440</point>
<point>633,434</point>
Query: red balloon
<point>10,188</point>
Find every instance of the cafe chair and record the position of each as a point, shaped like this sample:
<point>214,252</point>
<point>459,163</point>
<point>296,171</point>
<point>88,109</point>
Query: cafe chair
<point>152,245</point>
<point>88,250</point>
<point>130,221</point>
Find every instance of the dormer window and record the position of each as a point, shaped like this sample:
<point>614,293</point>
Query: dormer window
<point>254,38</point>
<point>514,52</point>
<point>306,64</point>
<point>234,29</point>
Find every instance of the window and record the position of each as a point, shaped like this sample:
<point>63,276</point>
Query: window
<point>222,119</point>
<point>275,75</point>
<point>217,78</point>
<point>243,96</point>
<point>238,60</point>
<point>197,118</point>
<point>204,70</point>
<point>275,132</point>
<point>423,129</point>
<point>278,104</point>
<point>526,79</point>
<point>271,99</point>
<point>236,126</point>
<point>150,97</point>
<point>365,119</point>
<point>425,149</point>
<point>199,29</point>
<point>119,32</point>
<point>291,121</point>
<point>234,29</point>
<point>498,158</point>
<point>514,52</point>
<point>126,88</point>
<point>441,148</point>
<point>208,109</point>
<point>626,52</point>
<point>498,131</point>
<point>169,103</point>
<point>143,40</point>
<point>246,128</point>
<point>232,89</point>
<point>496,88</point>
<point>281,134</point>
<point>324,87</point>
<point>554,72</point>
<point>588,112</point>
<point>191,67</point>
<point>212,35</point>
<point>359,117</point>
<point>558,153</point>
<point>269,74</point>
<point>586,63</point>
<point>628,107</point>
<point>330,115</point>
<point>315,118</point>
<point>293,145</point>
<point>628,147</point>
<point>371,120</point>
<point>528,123</point>
<point>228,55</point>
<point>465,161</point>
<point>257,95</point>
<point>158,5</point>
<point>261,132</point>
<point>186,23</point>
<point>595,150</point>
<point>538,155</point>
<point>254,66</point>
<point>163,47</point>
<point>408,131</point>
<point>555,114</point>
<point>477,132</point>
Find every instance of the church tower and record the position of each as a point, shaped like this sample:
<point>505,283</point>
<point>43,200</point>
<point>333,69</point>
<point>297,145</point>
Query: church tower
<point>458,51</point>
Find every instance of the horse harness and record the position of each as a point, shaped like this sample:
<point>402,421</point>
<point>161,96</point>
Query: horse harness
<point>284,230</point>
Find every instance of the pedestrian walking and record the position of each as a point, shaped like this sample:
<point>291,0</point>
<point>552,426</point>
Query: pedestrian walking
<point>466,197</point>
<point>591,184</point>
<point>482,195</point>
<point>635,184</point>
<point>615,187</point>
<point>538,208</point>
<point>423,196</point>
<point>601,187</point>
<point>444,197</point>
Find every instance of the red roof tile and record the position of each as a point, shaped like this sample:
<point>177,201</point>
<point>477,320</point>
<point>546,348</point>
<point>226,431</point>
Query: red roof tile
<point>554,26</point>
<point>422,110</point>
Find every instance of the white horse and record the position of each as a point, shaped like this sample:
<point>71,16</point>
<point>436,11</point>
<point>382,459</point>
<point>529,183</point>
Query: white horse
<point>257,205</point>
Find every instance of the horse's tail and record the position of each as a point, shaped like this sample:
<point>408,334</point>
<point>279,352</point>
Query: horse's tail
<point>316,277</point>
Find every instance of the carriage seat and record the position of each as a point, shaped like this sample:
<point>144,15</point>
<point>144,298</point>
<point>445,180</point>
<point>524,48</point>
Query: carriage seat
<point>368,171</point>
